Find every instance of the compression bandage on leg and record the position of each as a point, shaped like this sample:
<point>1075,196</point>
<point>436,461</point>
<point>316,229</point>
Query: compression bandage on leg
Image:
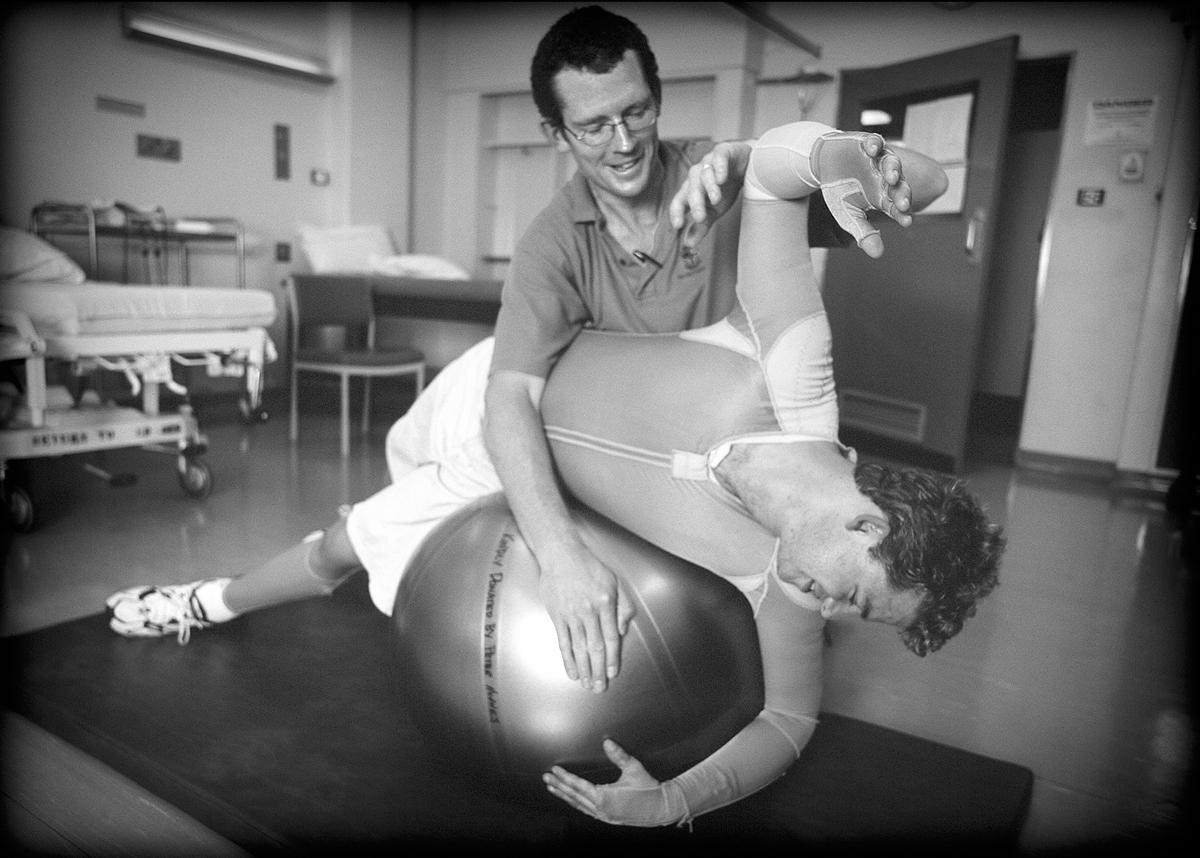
<point>837,162</point>
<point>328,573</point>
<point>291,575</point>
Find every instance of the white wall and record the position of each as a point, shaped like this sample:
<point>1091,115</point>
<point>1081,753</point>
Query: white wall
<point>1097,268</point>
<point>1173,253</point>
<point>377,75</point>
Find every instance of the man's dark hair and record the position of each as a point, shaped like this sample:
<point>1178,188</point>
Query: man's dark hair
<point>940,543</point>
<point>588,39</point>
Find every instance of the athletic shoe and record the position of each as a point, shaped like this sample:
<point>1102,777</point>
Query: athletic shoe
<point>154,612</point>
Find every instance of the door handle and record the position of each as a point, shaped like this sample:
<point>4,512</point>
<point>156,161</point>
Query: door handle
<point>974,226</point>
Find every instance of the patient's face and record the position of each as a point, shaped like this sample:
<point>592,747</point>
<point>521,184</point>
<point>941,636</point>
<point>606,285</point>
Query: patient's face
<point>831,560</point>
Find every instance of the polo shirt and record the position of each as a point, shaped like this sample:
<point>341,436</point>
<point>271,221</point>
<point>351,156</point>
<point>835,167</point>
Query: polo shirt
<point>569,273</point>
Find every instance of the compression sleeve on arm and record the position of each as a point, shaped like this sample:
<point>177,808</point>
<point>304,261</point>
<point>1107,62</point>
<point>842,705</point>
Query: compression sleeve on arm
<point>759,755</point>
<point>776,286</point>
<point>792,640</point>
<point>781,164</point>
<point>779,303</point>
<point>796,159</point>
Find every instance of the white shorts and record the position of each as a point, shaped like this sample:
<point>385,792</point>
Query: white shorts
<point>438,464</point>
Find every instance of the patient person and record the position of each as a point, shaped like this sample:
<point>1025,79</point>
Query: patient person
<point>719,445</point>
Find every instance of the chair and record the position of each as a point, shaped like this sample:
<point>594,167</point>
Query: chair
<point>315,303</point>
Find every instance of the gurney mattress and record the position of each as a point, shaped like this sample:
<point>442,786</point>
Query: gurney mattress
<point>60,309</point>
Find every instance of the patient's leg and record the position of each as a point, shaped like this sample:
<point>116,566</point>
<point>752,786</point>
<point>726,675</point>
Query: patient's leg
<point>313,567</point>
<point>438,463</point>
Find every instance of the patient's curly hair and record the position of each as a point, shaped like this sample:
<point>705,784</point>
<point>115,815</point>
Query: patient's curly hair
<point>940,542</point>
<point>587,39</point>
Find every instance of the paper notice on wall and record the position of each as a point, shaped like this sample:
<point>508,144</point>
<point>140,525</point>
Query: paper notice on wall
<point>1121,121</point>
<point>941,129</point>
<point>950,202</point>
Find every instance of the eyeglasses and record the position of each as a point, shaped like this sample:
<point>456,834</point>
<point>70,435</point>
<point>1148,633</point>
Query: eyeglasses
<point>635,119</point>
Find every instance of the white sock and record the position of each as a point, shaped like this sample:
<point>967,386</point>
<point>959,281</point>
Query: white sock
<point>211,596</point>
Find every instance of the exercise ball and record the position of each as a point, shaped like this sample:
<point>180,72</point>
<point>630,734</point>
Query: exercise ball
<point>482,677</point>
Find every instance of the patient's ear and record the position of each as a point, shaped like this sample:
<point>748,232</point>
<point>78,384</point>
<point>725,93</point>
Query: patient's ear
<point>870,524</point>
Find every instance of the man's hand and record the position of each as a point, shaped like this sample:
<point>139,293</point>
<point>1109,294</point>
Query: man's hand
<point>583,597</point>
<point>710,189</point>
<point>590,610</point>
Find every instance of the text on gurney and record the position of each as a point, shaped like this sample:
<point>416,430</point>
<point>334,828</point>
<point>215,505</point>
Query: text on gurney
<point>77,437</point>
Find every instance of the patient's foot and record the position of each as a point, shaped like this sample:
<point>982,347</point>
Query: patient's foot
<point>859,172</point>
<point>173,609</point>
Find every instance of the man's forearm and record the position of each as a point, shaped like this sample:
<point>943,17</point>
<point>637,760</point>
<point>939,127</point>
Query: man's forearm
<point>585,600</point>
<point>517,444</point>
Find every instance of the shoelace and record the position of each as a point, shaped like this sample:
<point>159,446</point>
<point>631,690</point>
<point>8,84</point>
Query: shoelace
<point>173,607</point>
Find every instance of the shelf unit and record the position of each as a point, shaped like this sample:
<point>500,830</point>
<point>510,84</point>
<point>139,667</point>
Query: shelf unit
<point>150,235</point>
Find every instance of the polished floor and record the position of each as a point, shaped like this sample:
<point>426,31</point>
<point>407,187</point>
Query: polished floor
<point>1075,667</point>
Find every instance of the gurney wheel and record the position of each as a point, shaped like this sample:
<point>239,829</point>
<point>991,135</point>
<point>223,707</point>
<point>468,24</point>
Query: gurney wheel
<point>20,509</point>
<point>195,479</point>
<point>251,414</point>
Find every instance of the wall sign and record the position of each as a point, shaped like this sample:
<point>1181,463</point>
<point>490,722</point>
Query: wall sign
<point>1132,167</point>
<point>162,148</point>
<point>1121,121</point>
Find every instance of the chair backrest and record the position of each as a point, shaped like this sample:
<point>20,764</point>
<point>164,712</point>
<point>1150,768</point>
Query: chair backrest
<point>323,302</point>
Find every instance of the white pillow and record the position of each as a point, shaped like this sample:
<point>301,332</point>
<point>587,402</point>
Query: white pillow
<point>24,256</point>
<point>421,266</point>
<point>344,248</point>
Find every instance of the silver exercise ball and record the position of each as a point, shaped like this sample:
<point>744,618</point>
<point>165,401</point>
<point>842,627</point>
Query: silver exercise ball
<point>482,675</point>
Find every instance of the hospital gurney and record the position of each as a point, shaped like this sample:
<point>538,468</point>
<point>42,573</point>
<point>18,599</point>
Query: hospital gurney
<point>141,332</point>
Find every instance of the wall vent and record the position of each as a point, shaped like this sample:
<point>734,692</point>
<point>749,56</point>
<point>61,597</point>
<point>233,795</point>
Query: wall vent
<point>883,415</point>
